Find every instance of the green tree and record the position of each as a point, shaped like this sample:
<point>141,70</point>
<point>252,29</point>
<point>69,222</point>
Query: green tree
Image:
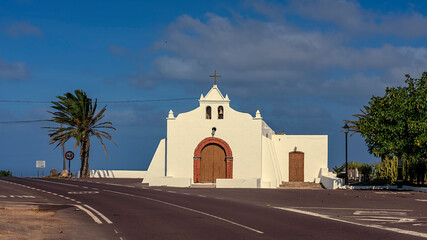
<point>5,173</point>
<point>78,115</point>
<point>396,124</point>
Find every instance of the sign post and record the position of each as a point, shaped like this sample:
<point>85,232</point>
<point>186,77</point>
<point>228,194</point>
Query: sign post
<point>40,164</point>
<point>69,156</point>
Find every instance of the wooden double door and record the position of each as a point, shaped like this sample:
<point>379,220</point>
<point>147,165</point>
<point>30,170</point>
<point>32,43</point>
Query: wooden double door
<point>212,164</point>
<point>296,167</point>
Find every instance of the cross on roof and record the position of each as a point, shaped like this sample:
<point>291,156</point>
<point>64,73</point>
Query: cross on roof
<point>215,76</point>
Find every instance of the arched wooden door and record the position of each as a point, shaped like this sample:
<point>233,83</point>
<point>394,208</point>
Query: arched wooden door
<point>212,163</point>
<point>296,167</point>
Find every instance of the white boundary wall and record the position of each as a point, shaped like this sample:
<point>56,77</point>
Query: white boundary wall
<point>117,174</point>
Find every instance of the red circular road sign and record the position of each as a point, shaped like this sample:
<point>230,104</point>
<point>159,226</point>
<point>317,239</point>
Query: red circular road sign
<point>69,155</point>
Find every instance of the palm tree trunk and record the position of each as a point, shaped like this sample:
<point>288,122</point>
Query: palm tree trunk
<point>84,156</point>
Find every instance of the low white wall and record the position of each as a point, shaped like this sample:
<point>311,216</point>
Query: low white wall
<point>170,182</point>
<point>238,183</point>
<point>331,182</point>
<point>117,174</point>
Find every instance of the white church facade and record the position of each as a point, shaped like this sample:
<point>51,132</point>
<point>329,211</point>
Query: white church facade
<point>217,145</point>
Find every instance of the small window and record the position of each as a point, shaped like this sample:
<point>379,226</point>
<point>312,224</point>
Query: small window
<point>220,112</point>
<point>208,112</point>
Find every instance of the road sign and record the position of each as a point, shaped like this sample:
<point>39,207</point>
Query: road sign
<point>69,155</point>
<point>40,164</point>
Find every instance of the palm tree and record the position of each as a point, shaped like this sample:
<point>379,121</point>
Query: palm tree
<point>77,114</point>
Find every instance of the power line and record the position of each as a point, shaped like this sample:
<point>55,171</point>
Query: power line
<point>115,101</point>
<point>19,122</point>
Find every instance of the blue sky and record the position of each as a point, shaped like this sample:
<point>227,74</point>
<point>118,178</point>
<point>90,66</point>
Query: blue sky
<point>306,65</point>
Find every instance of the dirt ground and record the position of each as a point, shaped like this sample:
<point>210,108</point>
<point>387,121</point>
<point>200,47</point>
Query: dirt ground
<point>43,222</point>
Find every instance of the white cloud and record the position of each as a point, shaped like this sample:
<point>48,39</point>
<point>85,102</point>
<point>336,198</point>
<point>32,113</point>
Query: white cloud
<point>276,57</point>
<point>353,19</point>
<point>13,71</point>
<point>18,29</point>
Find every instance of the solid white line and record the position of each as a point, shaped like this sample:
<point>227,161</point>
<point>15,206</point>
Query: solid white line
<point>95,218</point>
<point>398,230</point>
<point>100,214</point>
<point>362,209</point>
<point>66,184</point>
<point>191,210</point>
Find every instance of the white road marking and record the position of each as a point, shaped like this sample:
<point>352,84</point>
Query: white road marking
<point>186,193</point>
<point>117,232</point>
<point>421,200</point>
<point>95,218</point>
<point>84,192</point>
<point>355,209</point>
<point>380,213</point>
<point>171,191</point>
<point>17,196</point>
<point>201,195</point>
<point>398,230</point>
<point>191,210</point>
<point>100,214</point>
<point>388,219</point>
<point>392,193</point>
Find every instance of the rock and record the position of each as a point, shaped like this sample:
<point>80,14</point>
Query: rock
<point>64,173</point>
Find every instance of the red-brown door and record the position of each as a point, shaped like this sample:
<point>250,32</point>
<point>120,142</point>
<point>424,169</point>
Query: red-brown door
<point>296,167</point>
<point>212,164</point>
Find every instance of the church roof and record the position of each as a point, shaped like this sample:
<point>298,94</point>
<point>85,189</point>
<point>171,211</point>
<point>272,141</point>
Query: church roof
<point>214,95</point>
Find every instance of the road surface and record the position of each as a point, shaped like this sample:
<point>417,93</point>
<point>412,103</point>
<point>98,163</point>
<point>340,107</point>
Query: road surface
<point>126,209</point>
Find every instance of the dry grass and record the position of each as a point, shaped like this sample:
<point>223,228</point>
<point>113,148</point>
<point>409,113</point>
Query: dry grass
<point>27,222</point>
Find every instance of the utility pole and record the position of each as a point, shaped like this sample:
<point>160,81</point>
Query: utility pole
<point>64,165</point>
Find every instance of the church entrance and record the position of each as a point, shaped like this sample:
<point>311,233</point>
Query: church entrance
<point>296,167</point>
<point>213,159</point>
<point>212,163</point>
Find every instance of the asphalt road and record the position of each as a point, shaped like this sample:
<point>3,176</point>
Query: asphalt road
<point>129,210</point>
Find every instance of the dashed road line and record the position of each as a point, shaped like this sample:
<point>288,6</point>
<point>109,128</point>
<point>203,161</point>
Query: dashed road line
<point>421,200</point>
<point>95,218</point>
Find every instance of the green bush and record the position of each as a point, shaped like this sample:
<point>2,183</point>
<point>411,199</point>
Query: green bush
<point>5,173</point>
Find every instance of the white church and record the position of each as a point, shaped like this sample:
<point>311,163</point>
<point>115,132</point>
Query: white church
<point>217,145</point>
